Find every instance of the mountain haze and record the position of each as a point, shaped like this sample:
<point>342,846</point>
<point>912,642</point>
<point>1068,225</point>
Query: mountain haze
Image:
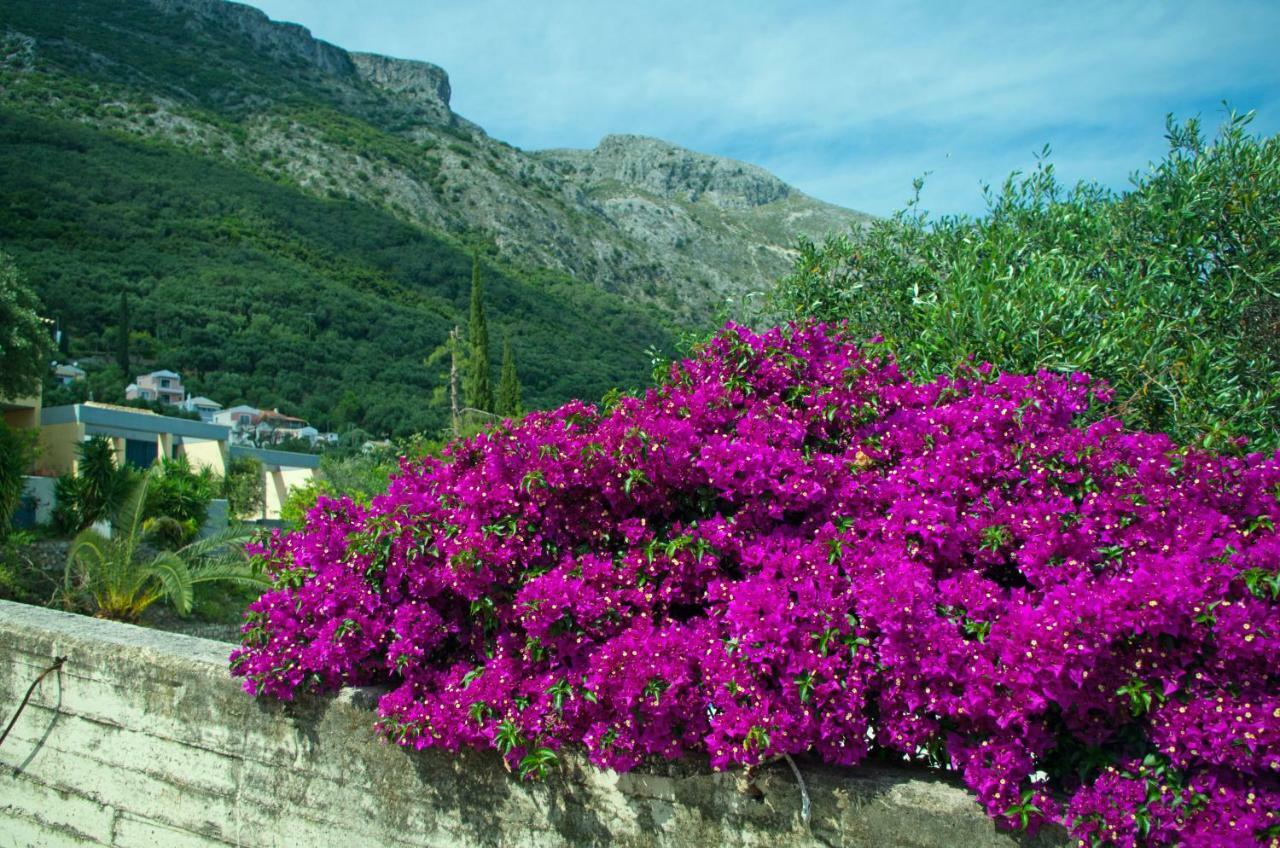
<point>154,145</point>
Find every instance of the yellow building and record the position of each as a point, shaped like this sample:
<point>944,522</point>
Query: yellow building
<point>141,437</point>
<point>21,413</point>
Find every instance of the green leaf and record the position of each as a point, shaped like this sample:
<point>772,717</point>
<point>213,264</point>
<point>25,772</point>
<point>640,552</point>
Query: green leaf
<point>536,763</point>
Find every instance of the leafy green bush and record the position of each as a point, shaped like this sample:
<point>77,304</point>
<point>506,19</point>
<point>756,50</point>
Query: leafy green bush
<point>301,499</point>
<point>24,341</point>
<point>119,577</point>
<point>21,578</point>
<point>96,491</point>
<point>1169,291</point>
<point>178,493</point>
<point>66,510</point>
<point>17,450</point>
<point>360,476</point>
<point>244,487</point>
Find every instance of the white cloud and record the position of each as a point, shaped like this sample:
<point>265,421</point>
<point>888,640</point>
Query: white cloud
<point>850,100</point>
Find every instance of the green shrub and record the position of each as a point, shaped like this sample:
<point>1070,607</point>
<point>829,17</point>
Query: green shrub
<point>178,493</point>
<point>17,451</point>
<point>119,577</point>
<point>66,507</point>
<point>360,476</point>
<point>96,491</point>
<point>1169,291</point>
<point>301,499</point>
<point>21,578</point>
<point>244,487</point>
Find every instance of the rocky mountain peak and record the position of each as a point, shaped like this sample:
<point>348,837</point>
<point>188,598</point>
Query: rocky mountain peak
<point>671,172</point>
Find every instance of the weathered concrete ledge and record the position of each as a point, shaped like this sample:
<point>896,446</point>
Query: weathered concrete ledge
<point>143,739</point>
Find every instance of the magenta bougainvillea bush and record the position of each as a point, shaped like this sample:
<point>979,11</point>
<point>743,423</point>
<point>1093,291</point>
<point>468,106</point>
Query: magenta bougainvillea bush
<point>790,547</point>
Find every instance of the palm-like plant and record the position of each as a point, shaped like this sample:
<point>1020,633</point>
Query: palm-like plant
<point>124,577</point>
<point>104,484</point>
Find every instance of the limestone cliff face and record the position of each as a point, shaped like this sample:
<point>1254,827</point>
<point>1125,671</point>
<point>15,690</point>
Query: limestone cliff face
<point>421,82</point>
<point>654,222</point>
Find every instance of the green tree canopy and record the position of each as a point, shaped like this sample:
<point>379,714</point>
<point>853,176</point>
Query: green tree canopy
<point>244,487</point>
<point>123,327</point>
<point>24,341</point>
<point>17,452</point>
<point>508,402</point>
<point>479,391</point>
<point>1169,291</point>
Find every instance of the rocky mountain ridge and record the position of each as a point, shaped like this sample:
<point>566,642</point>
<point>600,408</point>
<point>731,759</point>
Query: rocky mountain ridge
<point>281,39</point>
<point>636,216</point>
<point>670,172</point>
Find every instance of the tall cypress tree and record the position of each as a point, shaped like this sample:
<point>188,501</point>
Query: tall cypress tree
<point>123,329</point>
<point>508,384</point>
<point>478,389</point>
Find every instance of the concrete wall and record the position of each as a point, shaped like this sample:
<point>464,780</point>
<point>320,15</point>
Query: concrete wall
<point>144,740</point>
<point>206,453</point>
<point>42,491</point>
<point>280,481</point>
<point>216,519</point>
<point>58,444</point>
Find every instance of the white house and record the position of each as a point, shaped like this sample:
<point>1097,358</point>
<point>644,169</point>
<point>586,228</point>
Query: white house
<point>243,421</point>
<point>205,407</point>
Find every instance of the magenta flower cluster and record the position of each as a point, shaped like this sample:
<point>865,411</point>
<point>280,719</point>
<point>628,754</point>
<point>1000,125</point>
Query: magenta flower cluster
<point>789,547</point>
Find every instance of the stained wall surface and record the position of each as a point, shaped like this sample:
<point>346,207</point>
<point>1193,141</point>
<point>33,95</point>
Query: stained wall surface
<point>142,739</point>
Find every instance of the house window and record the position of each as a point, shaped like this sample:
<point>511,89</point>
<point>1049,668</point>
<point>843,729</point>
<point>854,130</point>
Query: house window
<point>164,382</point>
<point>139,454</point>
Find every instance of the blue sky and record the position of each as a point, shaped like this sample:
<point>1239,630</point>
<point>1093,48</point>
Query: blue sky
<point>848,101</point>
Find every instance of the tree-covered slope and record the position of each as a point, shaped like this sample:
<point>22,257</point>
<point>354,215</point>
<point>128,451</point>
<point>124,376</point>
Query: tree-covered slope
<point>259,291</point>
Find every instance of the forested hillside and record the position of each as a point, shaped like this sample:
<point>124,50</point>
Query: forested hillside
<point>294,224</point>
<point>261,292</point>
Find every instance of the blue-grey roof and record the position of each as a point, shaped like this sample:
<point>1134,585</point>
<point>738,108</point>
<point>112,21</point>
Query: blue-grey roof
<point>106,419</point>
<point>283,459</point>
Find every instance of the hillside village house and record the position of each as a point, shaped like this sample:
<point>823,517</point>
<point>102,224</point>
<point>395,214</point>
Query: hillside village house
<point>252,426</point>
<point>280,426</point>
<point>202,406</point>
<point>242,421</point>
<point>158,385</point>
<point>66,374</point>
<point>167,386</point>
